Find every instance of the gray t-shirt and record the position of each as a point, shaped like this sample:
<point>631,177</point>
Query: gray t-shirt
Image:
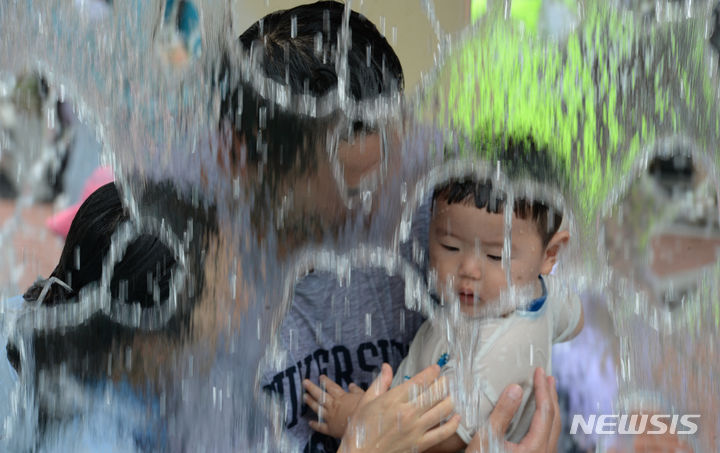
<point>345,332</point>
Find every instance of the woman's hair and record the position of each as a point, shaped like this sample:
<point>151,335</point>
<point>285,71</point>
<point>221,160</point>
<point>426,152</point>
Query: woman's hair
<point>144,268</point>
<point>141,276</point>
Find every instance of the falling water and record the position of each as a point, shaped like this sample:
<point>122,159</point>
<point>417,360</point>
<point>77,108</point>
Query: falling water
<point>624,97</point>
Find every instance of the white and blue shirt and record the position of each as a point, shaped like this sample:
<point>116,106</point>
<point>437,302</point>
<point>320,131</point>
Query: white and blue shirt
<point>482,356</point>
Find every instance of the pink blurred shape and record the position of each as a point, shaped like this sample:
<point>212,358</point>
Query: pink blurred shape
<point>60,222</point>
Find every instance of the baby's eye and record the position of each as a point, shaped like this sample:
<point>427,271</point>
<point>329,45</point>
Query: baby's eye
<point>450,248</point>
<point>494,258</point>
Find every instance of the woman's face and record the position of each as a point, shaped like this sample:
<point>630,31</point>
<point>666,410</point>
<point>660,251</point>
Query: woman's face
<point>661,237</point>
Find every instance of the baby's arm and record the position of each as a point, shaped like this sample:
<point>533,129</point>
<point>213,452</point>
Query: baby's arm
<point>479,401</point>
<point>580,324</point>
<point>464,433</point>
<point>566,309</point>
<point>501,360</point>
<point>333,405</point>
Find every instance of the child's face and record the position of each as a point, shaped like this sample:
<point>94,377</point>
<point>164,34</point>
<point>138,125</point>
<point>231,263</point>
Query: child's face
<point>466,246</point>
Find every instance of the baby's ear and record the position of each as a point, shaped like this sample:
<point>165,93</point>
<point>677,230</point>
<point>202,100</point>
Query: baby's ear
<point>552,250</point>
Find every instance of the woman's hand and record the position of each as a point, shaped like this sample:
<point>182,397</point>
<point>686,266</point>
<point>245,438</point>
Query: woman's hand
<point>410,417</point>
<point>544,428</point>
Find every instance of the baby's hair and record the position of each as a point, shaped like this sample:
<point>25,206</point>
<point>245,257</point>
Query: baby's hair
<point>480,192</point>
<point>520,158</point>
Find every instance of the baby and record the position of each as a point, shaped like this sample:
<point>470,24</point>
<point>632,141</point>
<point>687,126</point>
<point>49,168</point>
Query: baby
<point>509,340</point>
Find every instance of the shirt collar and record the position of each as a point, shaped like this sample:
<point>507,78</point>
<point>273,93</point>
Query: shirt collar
<point>537,304</point>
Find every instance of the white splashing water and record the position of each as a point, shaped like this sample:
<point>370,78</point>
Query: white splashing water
<point>155,123</point>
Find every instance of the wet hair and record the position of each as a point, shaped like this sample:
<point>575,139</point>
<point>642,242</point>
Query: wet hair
<point>305,64</point>
<point>144,268</point>
<point>466,191</point>
<point>142,276</point>
<point>520,158</point>
<point>306,68</point>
